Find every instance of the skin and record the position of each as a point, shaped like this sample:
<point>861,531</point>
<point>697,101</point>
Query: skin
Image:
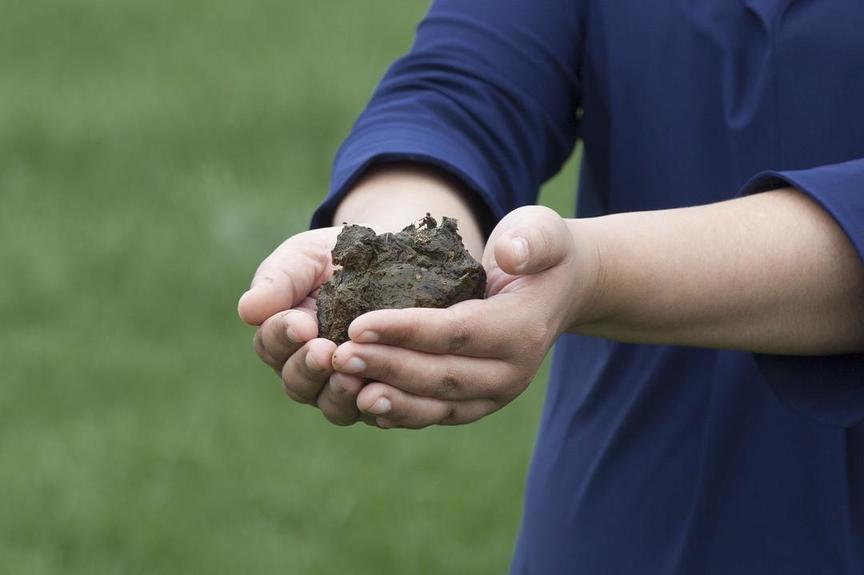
<point>767,273</point>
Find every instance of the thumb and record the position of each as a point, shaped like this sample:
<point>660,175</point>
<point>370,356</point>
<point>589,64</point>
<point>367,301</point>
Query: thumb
<point>283,280</point>
<point>532,239</point>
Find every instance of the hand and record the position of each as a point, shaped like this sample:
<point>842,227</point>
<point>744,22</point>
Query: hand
<point>281,302</point>
<point>456,365</point>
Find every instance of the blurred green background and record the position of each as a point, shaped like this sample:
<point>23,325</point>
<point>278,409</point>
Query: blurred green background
<point>151,154</point>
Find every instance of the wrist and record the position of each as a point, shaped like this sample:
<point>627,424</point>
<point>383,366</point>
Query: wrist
<point>391,196</point>
<point>589,302</point>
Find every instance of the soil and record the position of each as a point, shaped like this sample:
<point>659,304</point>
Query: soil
<point>424,265</point>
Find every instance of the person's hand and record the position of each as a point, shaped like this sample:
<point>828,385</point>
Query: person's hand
<point>281,302</point>
<point>456,365</point>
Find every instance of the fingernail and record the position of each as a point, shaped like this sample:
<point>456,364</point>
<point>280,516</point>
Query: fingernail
<point>520,250</point>
<point>380,407</point>
<point>353,365</point>
<point>292,335</point>
<point>312,364</point>
<point>367,337</point>
<point>334,384</point>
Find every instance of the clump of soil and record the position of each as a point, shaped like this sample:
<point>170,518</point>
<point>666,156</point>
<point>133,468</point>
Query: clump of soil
<point>422,266</point>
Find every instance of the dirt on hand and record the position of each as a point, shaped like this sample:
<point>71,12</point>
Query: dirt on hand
<point>422,266</point>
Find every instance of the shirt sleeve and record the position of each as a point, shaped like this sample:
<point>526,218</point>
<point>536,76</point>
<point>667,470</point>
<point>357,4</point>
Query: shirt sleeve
<point>828,388</point>
<point>488,93</point>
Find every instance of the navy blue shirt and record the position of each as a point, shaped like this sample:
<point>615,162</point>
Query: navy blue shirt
<point>658,459</point>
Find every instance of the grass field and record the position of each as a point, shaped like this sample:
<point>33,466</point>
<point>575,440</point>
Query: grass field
<point>151,153</point>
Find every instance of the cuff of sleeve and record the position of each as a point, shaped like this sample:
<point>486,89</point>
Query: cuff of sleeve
<point>829,389</point>
<point>400,144</point>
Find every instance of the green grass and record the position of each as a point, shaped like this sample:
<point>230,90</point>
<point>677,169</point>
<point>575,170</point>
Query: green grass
<point>151,153</point>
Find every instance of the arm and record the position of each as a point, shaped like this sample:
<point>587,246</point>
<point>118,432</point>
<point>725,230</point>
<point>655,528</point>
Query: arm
<point>770,273</point>
<point>451,103</point>
<point>390,197</point>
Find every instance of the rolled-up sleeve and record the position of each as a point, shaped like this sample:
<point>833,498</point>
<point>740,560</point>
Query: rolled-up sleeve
<point>829,388</point>
<point>488,93</point>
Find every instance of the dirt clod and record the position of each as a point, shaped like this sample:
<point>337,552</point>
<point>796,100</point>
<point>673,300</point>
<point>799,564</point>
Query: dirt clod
<point>424,265</point>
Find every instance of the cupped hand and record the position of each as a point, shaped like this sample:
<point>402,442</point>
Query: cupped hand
<point>456,365</point>
<point>281,303</point>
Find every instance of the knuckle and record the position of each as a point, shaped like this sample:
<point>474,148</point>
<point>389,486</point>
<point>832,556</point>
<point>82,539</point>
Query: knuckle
<point>449,384</point>
<point>384,369</point>
<point>450,417</point>
<point>457,341</point>
<point>405,331</point>
<point>459,334</point>
<point>339,397</point>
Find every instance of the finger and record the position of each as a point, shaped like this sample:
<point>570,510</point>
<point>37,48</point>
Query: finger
<point>306,371</point>
<point>369,420</point>
<point>283,334</point>
<point>471,328</point>
<point>534,239</point>
<point>261,352</point>
<point>448,377</point>
<point>397,408</point>
<point>338,399</point>
<point>393,407</point>
<point>288,275</point>
<point>309,303</point>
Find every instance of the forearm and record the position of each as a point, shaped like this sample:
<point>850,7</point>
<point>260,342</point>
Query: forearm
<point>391,197</point>
<point>767,273</point>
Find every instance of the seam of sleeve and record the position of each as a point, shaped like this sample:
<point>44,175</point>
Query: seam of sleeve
<point>827,390</point>
<point>771,180</point>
